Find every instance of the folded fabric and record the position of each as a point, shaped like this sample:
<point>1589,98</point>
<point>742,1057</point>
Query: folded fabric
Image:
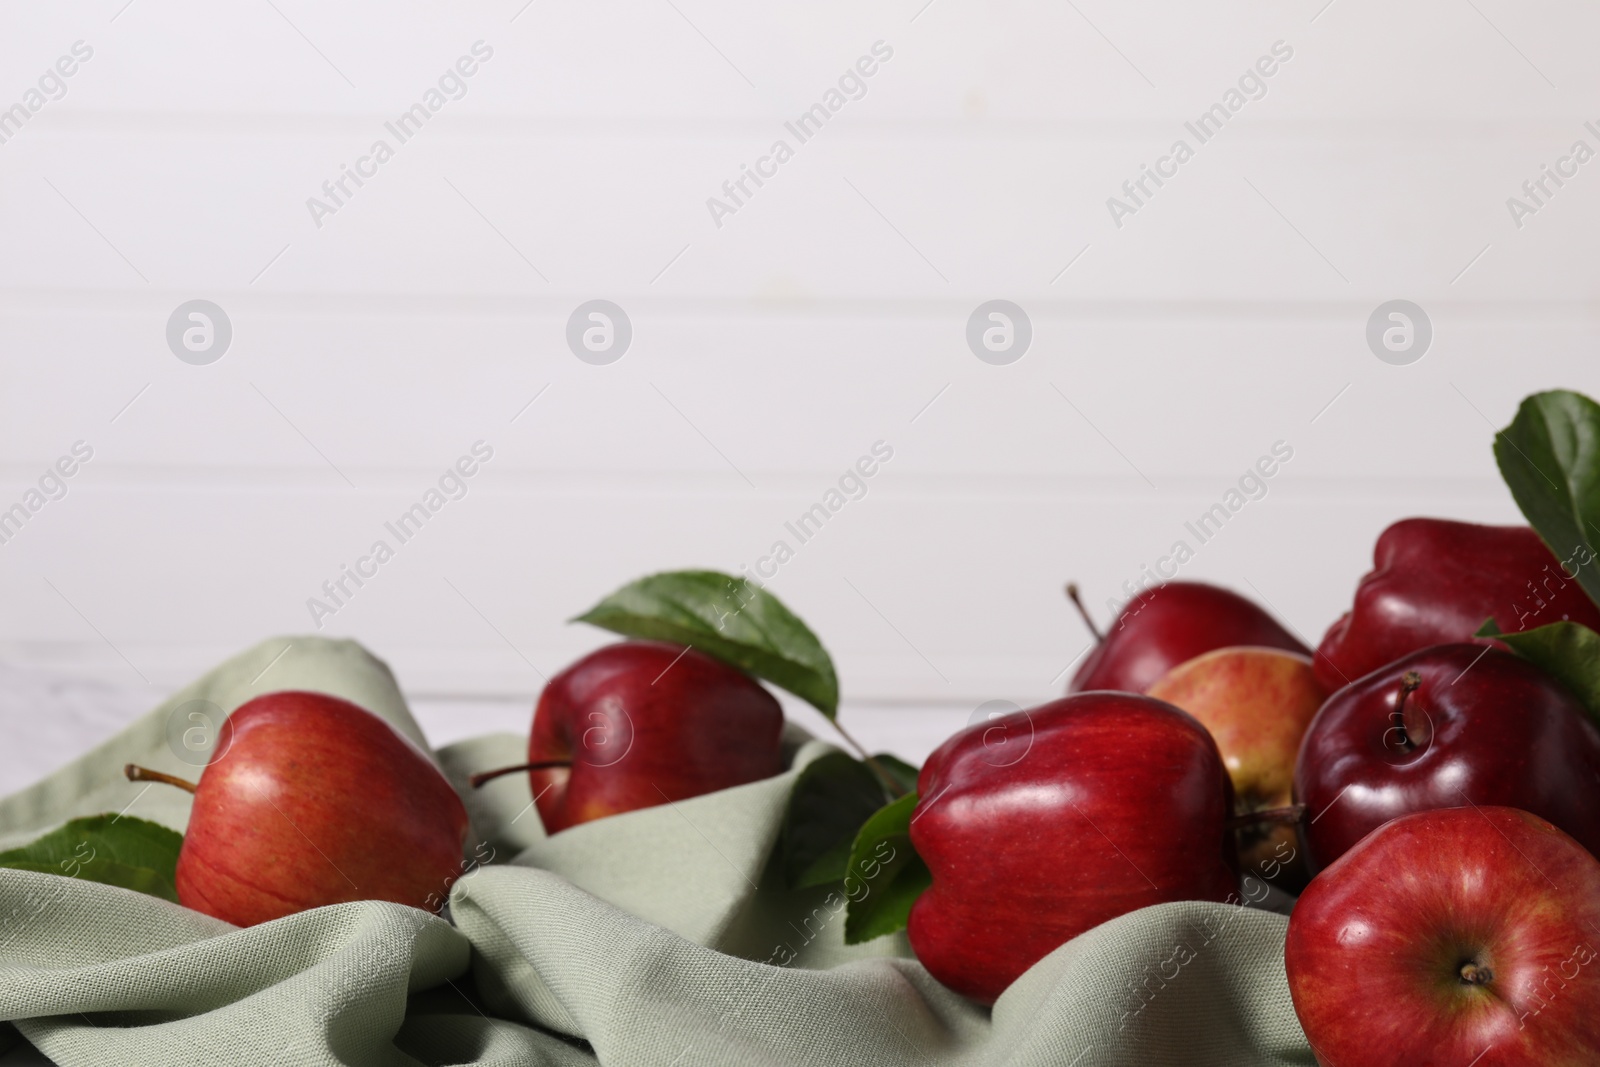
<point>660,937</point>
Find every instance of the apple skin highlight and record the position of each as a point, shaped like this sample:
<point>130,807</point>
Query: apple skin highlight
<point>313,803</point>
<point>643,723</point>
<point>1481,726</point>
<point>1451,937</point>
<point>1041,824</point>
<point>1170,623</point>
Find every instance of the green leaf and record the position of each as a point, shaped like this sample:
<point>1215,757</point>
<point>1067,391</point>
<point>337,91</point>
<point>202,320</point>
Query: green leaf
<point>1569,651</point>
<point>1550,458</point>
<point>903,773</point>
<point>889,869</point>
<point>729,618</point>
<point>831,800</point>
<point>117,850</point>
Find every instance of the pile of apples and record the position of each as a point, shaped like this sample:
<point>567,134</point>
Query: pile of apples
<point>1434,799</point>
<point>1441,794</point>
<point>1426,783</point>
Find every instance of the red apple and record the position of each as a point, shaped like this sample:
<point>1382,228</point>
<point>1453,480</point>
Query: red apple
<point>316,802</point>
<point>639,723</point>
<point>1444,727</point>
<point>1461,936</point>
<point>1257,704</point>
<point>1435,581</point>
<point>1116,802</point>
<point>1172,622</point>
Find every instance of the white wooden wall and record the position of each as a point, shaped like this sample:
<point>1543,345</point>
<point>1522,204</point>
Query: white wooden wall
<point>768,353</point>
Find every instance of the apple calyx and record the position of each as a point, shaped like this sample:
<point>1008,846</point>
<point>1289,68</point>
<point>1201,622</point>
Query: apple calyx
<point>1289,815</point>
<point>482,778</point>
<point>137,773</point>
<point>1474,973</point>
<point>1408,685</point>
<point>1083,612</point>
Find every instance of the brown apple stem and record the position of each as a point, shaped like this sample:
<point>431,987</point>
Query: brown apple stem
<point>1476,973</point>
<point>1289,815</point>
<point>137,773</point>
<point>477,781</point>
<point>893,787</point>
<point>1077,602</point>
<point>1408,685</point>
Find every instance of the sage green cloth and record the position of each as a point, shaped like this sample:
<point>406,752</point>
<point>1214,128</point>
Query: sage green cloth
<point>656,938</point>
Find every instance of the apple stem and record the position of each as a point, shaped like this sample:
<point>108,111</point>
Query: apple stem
<point>479,780</point>
<point>137,773</point>
<point>1408,685</point>
<point>1291,815</point>
<point>894,792</point>
<point>1476,973</point>
<point>1077,602</point>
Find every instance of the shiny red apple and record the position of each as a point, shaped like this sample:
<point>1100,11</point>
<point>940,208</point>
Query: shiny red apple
<point>1435,581</point>
<point>317,801</point>
<point>641,723</point>
<point>1041,824</point>
<point>1445,727</point>
<point>1460,937</point>
<point>1169,623</point>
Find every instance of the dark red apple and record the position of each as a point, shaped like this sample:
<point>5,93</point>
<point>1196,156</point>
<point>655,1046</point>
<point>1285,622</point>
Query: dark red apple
<point>645,722</point>
<point>1170,623</point>
<point>1461,936</point>
<point>1435,581</point>
<point>1441,728</point>
<point>317,801</point>
<point>1041,824</point>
